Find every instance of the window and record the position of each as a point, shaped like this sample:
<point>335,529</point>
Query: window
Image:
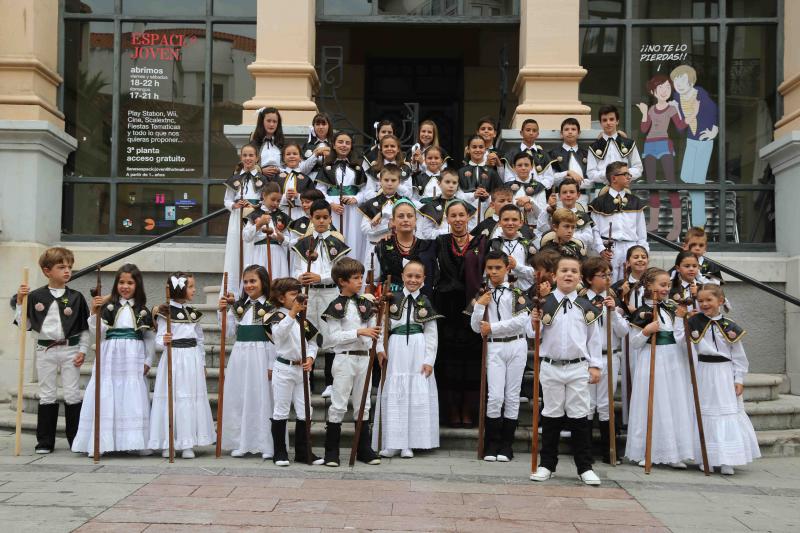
<point>147,97</point>
<point>435,11</point>
<point>711,65</point>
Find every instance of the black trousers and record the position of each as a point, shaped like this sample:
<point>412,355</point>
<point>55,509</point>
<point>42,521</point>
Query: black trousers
<point>580,442</point>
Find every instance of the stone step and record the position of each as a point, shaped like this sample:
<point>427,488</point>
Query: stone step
<point>774,443</point>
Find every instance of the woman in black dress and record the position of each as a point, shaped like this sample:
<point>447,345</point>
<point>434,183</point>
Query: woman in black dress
<point>458,361</point>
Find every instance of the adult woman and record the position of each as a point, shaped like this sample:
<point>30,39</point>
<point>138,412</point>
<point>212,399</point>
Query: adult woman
<point>393,253</point>
<point>459,357</point>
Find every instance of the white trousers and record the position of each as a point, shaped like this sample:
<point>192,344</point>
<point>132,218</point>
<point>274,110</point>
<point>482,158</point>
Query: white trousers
<point>287,390</point>
<point>48,365</point>
<point>318,302</point>
<point>349,373</point>
<point>598,393</point>
<point>565,389</point>
<point>620,250</point>
<point>505,363</point>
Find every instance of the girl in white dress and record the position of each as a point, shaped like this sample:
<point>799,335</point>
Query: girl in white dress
<point>389,153</point>
<point>342,181</point>
<point>408,412</point>
<point>721,368</point>
<point>242,189</point>
<point>268,137</point>
<point>433,221</point>
<point>126,354</point>
<point>268,226</point>
<point>674,430</point>
<point>248,396</point>
<point>192,422</point>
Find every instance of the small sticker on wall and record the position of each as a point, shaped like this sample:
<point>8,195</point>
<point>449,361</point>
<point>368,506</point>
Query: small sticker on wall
<point>149,224</point>
<point>169,212</point>
<point>127,223</point>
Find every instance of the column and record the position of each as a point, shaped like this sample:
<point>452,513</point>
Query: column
<point>284,66</point>
<point>549,65</point>
<point>783,155</point>
<point>33,150</point>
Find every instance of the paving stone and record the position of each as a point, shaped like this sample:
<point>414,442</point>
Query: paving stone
<point>101,527</point>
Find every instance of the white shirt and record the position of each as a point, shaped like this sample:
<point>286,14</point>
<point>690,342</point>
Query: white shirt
<point>568,337</point>
<point>596,168</point>
<point>501,307</point>
<point>251,234</point>
<point>249,188</point>
<point>344,177</point>
<point>638,339</point>
<point>619,325</point>
<point>286,337</point>
<point>181,330</point>
<point>629,226</point>
<point>52,330</point>
<point>428,329</point>
<point>715,342</point>
<point>321,265</point>
<point>344,331</point>
<point>126,319</point>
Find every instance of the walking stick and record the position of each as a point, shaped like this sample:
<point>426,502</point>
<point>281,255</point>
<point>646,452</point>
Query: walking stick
<point>612,430</point>
<point>628,377</point>
<point>268,231</point>
<point>482,397</point>
<point>698,414</point>
<point>537,302</point>
<point>648,464</point>
<point>302,298</point>
<point>368,379</point>
<point>171,407</point>
<point>221,378</point>
<point>23,330</point>
<point>97,382</point>
<point>341,203</point>
<point>241,244</point>
<point>386,333</point>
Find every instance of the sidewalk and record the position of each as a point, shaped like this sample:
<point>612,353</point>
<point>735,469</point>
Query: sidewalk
<point>438,491</point>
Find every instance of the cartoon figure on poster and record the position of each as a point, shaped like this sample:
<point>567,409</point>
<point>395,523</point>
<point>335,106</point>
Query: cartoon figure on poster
<point>700,113</point>
<point>691,110</point>
<point>658,148</point>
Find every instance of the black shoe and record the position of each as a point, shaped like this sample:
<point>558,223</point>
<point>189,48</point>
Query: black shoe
<point>281,456</point>
<point>72,415</point>
<point>301,446</point>
<point>46,420</point>
<point>365,453</point>
<point>506,451</point>
<point>491,438</point>
<point>332,435</point>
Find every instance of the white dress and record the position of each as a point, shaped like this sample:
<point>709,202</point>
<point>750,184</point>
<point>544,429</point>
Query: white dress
<point>256,254</point>
<point>349,223</point>
<point>730,437</point>
<point>247,405</point>
<point>192,422</point>
<point>674,430</point>
<point>231,263</point>
<point>124,393</point>
<point>409,405</point>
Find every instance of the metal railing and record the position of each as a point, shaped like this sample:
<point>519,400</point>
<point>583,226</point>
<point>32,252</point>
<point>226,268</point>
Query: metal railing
<point>147,244</point>
<point>728,270</point>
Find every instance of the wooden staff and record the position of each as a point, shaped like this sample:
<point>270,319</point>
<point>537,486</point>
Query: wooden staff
<point>695,391</point>
<point>23,330</point>
<point>268,232</point>
<point>482,397</point>
<point>341,203</point>
<point>170,406</point>
<point>537,341</point>
<point>481,184</point>
<point>368,379</point>
<point>302,298</point>
<point>612,431</point>
<point>648,464</point>
<point>221,378</point>
<point>386,333</point>
<point>241,240</point>
<point>628,377</point>
<point>97,382</point>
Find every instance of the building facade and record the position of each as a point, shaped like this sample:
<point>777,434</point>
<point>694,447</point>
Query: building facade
<point>119,119</point>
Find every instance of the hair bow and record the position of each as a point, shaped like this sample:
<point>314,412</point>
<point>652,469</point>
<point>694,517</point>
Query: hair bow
<point>311,133</point>
<point>259,110</point>
<point>177,282</point>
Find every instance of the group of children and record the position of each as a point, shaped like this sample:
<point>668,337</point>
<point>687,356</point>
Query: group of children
<point>304,223</point>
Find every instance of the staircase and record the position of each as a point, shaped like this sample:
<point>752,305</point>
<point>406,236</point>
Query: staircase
<point>775,414</point>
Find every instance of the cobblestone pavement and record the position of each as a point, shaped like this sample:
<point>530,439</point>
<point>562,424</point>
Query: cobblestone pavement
<point>438,491</point>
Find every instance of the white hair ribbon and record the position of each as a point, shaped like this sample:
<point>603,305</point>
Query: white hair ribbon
<point>311,134</point>
<point>375,127</point>
<point>177,282</point>
<point>259,110</point>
